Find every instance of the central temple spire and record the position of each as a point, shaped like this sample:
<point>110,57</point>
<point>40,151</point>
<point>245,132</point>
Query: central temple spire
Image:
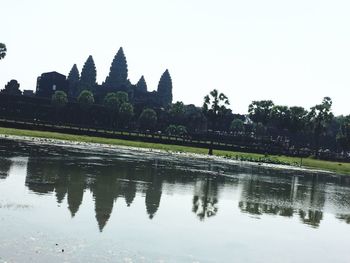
<point>118,74</point>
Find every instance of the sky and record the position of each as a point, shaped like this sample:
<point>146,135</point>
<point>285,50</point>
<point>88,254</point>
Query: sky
<point>293,52</point>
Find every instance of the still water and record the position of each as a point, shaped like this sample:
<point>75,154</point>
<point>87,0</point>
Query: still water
<point>64,203</point>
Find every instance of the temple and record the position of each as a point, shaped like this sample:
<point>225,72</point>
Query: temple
<point>117,80</point>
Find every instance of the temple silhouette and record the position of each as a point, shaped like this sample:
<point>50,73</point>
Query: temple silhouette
<point>117,80</point>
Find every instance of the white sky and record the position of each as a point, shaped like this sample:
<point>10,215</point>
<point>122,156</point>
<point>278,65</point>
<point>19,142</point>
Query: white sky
<point>294,52</point>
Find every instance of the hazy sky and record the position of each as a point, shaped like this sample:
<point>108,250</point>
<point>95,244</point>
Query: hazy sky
<point>294,52</point>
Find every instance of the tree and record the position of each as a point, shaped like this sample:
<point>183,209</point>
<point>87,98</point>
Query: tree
<point>280,116</point>
<point>298,119</point>
<point>88,75</point>
<point>126,112</point>
<point>165,89</point>
<point>237,125</point>
<point>59,101</point>
<point>195,119</point>
<point>122,97</point>
<point>118,74</point>
<point>12,88</point>
<point>260,111</point>
<point>176,130</point>
<point>3,51</point>
<point>73,79</point>
<point>343,136</point>
<point>177,112</point>
<point>141,85</point>
<point>171,130</point>
<point>113,102</point>
<point>259,129</point>
<point>214,106</point>
<point>181,130</point>
<point>148,119</point>
<point>86,99</point>
<point>319,118</point>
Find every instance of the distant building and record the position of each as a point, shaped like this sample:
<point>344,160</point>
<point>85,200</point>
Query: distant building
<point>12,88</point>
<point>50,82</point>
<point>28,93</point>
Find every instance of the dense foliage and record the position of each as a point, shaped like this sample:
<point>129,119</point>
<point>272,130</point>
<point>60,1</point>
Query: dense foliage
<point>3,51</point>
<point>148,119</point>
<point>59,99</point>
<point>86,99</point>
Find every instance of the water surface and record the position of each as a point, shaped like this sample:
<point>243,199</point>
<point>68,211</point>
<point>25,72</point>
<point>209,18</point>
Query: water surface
<point>92,204</point>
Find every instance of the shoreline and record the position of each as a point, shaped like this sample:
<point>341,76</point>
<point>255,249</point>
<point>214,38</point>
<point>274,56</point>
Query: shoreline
<point>74,144</point>
<point>277,162</point>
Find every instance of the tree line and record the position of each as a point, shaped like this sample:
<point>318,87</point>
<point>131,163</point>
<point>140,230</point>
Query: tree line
<point>315,128</point>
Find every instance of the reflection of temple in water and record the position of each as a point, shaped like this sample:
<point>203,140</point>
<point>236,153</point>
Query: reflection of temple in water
<point>287,196</point>
<point>153,195</point>
<point>104,191</point>
<point>113,180</point>
<point>75,191</point>
<point>107,184</point>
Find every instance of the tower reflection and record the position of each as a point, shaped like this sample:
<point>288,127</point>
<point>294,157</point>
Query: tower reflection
<point>261,192</point>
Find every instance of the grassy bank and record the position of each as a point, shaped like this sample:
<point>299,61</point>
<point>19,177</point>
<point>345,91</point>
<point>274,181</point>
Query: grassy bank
<point>343,168</point>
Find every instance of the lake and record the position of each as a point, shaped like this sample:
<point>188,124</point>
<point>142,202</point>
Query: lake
<point>85,203</point>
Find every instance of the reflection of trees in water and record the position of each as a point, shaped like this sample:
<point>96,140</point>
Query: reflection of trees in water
<point>283,196</point>
<point>42,175</point>
<point>5,165</point>
<point>111,179</point>
<point>205,199</point>
<point>267,197</point>
<point>314,200</point>
<point>343,199</point>
<point>314,193</point>
<point>344,217</point>
<point>259,209</point>
<point>311,217</point>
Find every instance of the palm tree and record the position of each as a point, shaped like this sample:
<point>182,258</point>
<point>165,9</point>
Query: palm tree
<point>2,50</point>
<point>148,119</point>
<point>319,119</point>
<point>215,105</point>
